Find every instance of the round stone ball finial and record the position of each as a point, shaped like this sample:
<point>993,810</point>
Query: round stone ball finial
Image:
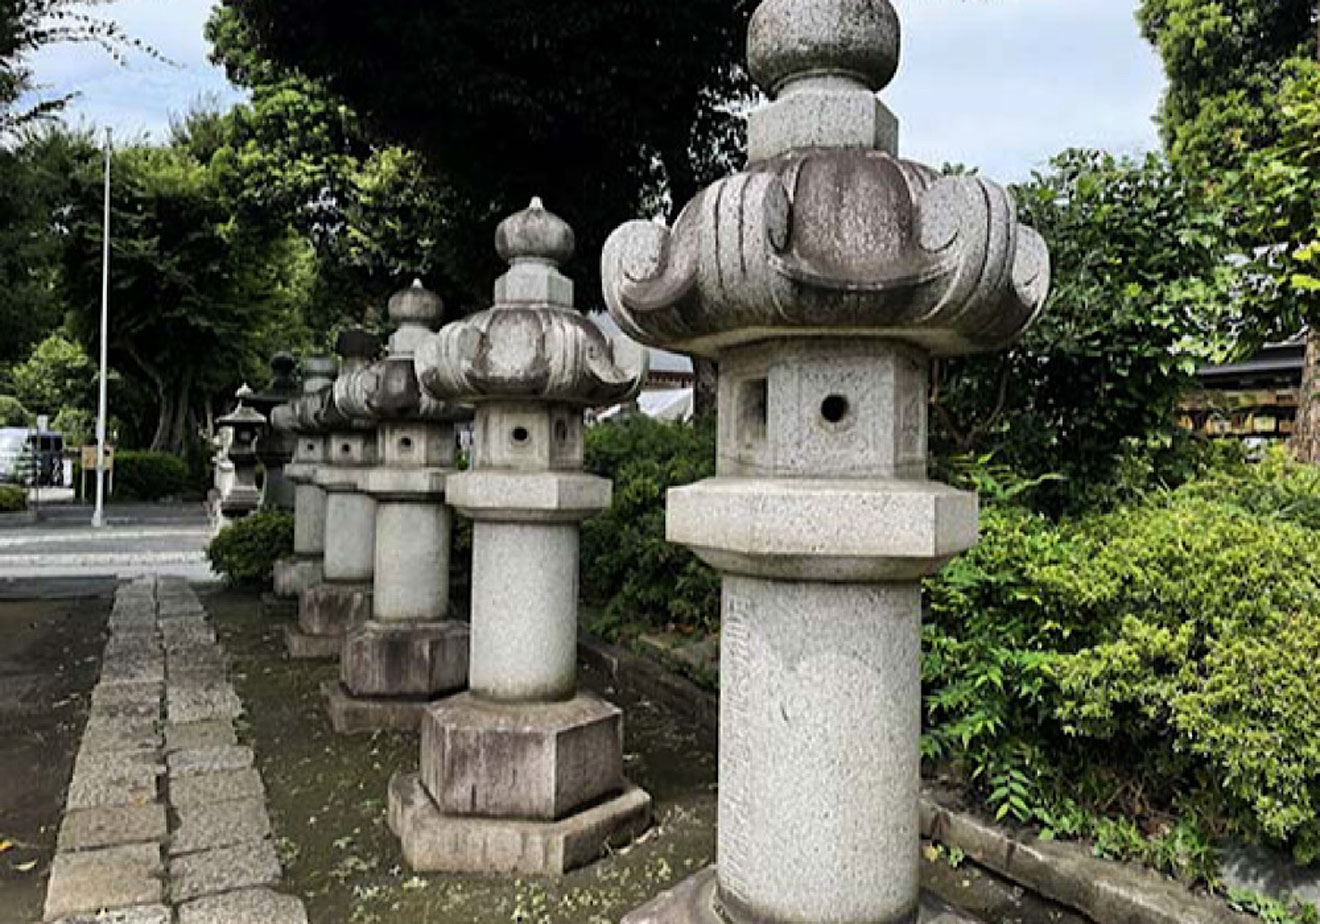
<point>535,234</point>
<point>789,40</point>
<point>243,393</point>
<point>416,304</point>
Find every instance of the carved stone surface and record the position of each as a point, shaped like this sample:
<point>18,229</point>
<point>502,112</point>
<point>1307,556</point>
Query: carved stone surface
<point>532,344</point>
<point>822,278</point>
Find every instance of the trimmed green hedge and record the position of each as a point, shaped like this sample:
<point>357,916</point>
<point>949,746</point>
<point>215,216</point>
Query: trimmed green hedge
<point>246,551</point>
<point>1105,676</point>
<point>627,566</point>
<point>12,498</point>
<point>150,476</point>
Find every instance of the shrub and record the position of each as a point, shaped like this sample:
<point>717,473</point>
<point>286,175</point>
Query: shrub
<point>626,563</point>
<point>1163,658</point>
<point>12,498</point>
<point>246,551</point>
<point>150,476</point>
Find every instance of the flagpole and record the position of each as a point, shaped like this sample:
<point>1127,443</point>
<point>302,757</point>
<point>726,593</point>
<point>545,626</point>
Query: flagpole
<point>98,516</point>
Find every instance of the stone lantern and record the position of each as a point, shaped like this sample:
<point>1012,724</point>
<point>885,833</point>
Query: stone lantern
<point>240,495</point>
<point>343,599</point>
<point>524,773</point>
<point>409,653</point>
<point>296,419</point>
<point>822,279</point>
<point>275,448</point>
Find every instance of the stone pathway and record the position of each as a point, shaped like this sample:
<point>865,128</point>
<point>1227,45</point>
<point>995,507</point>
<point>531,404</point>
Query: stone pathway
<point>166,817</point>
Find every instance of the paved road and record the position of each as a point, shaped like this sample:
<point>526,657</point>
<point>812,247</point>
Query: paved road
<point>137,539</point>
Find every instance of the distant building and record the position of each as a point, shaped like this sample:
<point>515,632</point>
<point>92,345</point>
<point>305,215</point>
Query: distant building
<point>667,392</point>
<point>1255,399</point>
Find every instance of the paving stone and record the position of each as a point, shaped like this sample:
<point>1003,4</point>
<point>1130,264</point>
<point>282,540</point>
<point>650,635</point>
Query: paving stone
<point>88,829</point>
<point>93,880</point>
<point>102,780</point>
<point>190,703</point>
<point>220,824</point>
<point>206,788</point>
<point>142,914</point>
<point>132,692</point>
<point>135,670</point>
<point>119,734</point>
<point>251,906</point>
<point>182,673</point>
<point>209,760</point>
<point>225,870</point>
<point>182,633</point>
<point>193,735</point>
<point>129,709</point>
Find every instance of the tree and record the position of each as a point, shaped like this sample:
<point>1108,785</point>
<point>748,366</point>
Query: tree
<point>604,109</point>
<point>199,299</point>
<point>1235,119</point>
<point>58,375</point>
<point>1134,250</point>
<point>35,179</point>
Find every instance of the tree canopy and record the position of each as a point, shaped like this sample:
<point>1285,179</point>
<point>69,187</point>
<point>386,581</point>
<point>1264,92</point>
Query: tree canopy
<point>606,110</point>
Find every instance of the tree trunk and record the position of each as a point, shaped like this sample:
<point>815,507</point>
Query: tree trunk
<point>1305,441</point>
<point>164,418</point>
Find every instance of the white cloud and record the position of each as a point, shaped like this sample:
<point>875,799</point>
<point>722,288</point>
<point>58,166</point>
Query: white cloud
<point>998,84</point>
<point>139,96</point>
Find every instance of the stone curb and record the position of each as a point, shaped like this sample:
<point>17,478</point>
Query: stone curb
<point>1104,891</point>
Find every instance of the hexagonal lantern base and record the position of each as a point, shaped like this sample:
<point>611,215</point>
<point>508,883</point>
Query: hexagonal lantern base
<point>524,760</point>
<point>333,609</point>
<point>436,842</point>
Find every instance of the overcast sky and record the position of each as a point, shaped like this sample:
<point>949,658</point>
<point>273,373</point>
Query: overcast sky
<point>999,84</point>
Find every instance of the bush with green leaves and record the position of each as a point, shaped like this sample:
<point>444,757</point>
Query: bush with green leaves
<point>150,476</point>
<point>627,566</point>
<point>13,498</point>
<point>1158,662</point>
<point>246,551</point>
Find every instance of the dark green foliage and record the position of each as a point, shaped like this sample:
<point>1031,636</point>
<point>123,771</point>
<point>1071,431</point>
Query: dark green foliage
<point>626,563</point>
<point>12,498</point>
<point>246,552</point>
<point>150,476</point>
<point>603,109</point>
<point>13,413</point>
<point>1096,675</point>
<point>1092,386</point>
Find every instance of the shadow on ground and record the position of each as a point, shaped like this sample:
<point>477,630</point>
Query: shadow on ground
<point>327,802</point>
<point>51,638</point>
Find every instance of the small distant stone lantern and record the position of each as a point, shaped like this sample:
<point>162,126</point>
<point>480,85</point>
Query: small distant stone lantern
<point>276,447</point>
<point>409,653</point>
<point>343,598</point>
<point>297,419</point>
<point>524,773</point>
<point>822,279</point>
<point>241,496</point>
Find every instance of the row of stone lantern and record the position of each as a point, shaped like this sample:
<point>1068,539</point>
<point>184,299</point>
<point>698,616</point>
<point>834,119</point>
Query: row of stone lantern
<point>822,279</point>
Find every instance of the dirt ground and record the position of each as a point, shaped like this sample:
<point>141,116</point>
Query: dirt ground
<point>326,796</point>
<point>51,638</point>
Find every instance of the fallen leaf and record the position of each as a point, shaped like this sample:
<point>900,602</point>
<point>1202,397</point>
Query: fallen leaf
<point>5,845</point>
<point>25,867</point>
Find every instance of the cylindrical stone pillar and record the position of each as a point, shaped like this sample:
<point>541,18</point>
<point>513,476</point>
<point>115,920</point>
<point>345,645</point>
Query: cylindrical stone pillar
<point>822,279</point>
<point>350,527</point>
<point>820,721</point>
<point>410,584</point>
<point>524,611</point>
<point>309,520</point>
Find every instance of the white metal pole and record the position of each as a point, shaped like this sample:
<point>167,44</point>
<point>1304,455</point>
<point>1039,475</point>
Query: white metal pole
<point>98,516</point>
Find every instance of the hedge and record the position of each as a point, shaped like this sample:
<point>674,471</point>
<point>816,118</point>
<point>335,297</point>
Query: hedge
<point>150,476</point>
<point>246,551</point>
<point>13,498</point>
